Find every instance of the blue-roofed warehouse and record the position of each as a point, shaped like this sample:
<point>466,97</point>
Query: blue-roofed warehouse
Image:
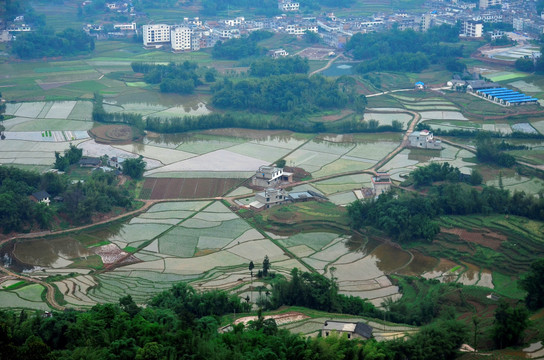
<point>506,96</point>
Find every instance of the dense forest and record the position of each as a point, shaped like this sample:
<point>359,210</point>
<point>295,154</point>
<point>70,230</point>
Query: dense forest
<point>18,212</point>
<point>172,78</point>
<point>404,50</point>
<point>181,323</point>
<point>45,43</point>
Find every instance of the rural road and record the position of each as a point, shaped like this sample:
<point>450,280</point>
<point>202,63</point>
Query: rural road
<point>326,66</point>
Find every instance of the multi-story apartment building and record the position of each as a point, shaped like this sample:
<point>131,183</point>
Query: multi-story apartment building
<point>300,30</point>
<point>180,38</point>
<point>484,4</point>
<point>473,29</point>
<point>125,27</point>
<point>156,34</point>
<point>288,6</point>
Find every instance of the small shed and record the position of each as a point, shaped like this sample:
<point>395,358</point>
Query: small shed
<point>353,330</point>
<point>41,196</point>
<point>420,85</point>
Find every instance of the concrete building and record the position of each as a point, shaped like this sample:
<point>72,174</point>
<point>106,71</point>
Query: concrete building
<point>300,30</point>
<point>277,53</point>
<point>235,22</point>
<point>381,183</point>
<point>288,5</point>
<point>426,22</point>
<point>5,36</point>
<point>156,34</point>
<point>125,27</point>
<point>473,29</point>
<point>353,330</point>
<point>269,176</point>
<point>424,140</point>
<point>484,4</point>
<point>180,38</point>
<point>116,162</point>
<point>269,198</point>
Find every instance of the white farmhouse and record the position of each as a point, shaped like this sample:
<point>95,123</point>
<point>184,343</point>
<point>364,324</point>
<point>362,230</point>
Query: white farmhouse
<point>424,140</point>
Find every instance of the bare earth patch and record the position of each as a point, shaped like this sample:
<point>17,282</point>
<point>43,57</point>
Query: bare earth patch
<point>281,319</point>
<point>111,253</point>
<point>342,115</point>
<point>482,237</point>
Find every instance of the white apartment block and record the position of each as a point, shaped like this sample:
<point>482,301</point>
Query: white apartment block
<point>473,29</point>
<point>180,38</point>
<point>125,27</point>
<point>235,22</point>
<point>288,6</point>
<point>300,30</point>
<point>484,4</point>
<point>156,34</point>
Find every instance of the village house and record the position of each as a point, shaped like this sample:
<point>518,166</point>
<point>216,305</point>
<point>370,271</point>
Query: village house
<point>116,162</point>
<point>89,162</point>
<point>270,176</point>
<point>353,330</point>
<point>277,53</point>
<point>41,196</point>
<point>381,183</point>
<point>424,140</point>
<point>269,198</point>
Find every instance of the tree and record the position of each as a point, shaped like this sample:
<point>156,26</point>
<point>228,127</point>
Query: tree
<point>476,177</point>
<point>134,168</point>
<point>281,163</point>
<point>533,283</point>
<point>510,323</point>
<point>311,37</point>
<point>266,266</point>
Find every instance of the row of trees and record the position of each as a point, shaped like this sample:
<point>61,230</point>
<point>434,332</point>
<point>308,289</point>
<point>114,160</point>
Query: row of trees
<point>45,43</point>
<point>411,216</point>
<point>182,323</point>
<point>474,133</point>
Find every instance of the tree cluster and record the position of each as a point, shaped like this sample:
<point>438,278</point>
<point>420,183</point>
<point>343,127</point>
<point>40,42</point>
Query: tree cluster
<point>265,7</point>
<point>182,324</point>
<point>38,44</point>
<point>289,65</point>
<point>17,212</point>
<point>281,93</point>
<point>510,323</point>
<point>238,48</point>
<point>411,217</point>
<point>70,157</point>
<point>427,175</point>
<point>134,168</point>
<point>317,292</point>
<point>489,151</point>
<point>99,194</point>
<point>533,283</point>
<point>172,78</point>
<point>404,50</point>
